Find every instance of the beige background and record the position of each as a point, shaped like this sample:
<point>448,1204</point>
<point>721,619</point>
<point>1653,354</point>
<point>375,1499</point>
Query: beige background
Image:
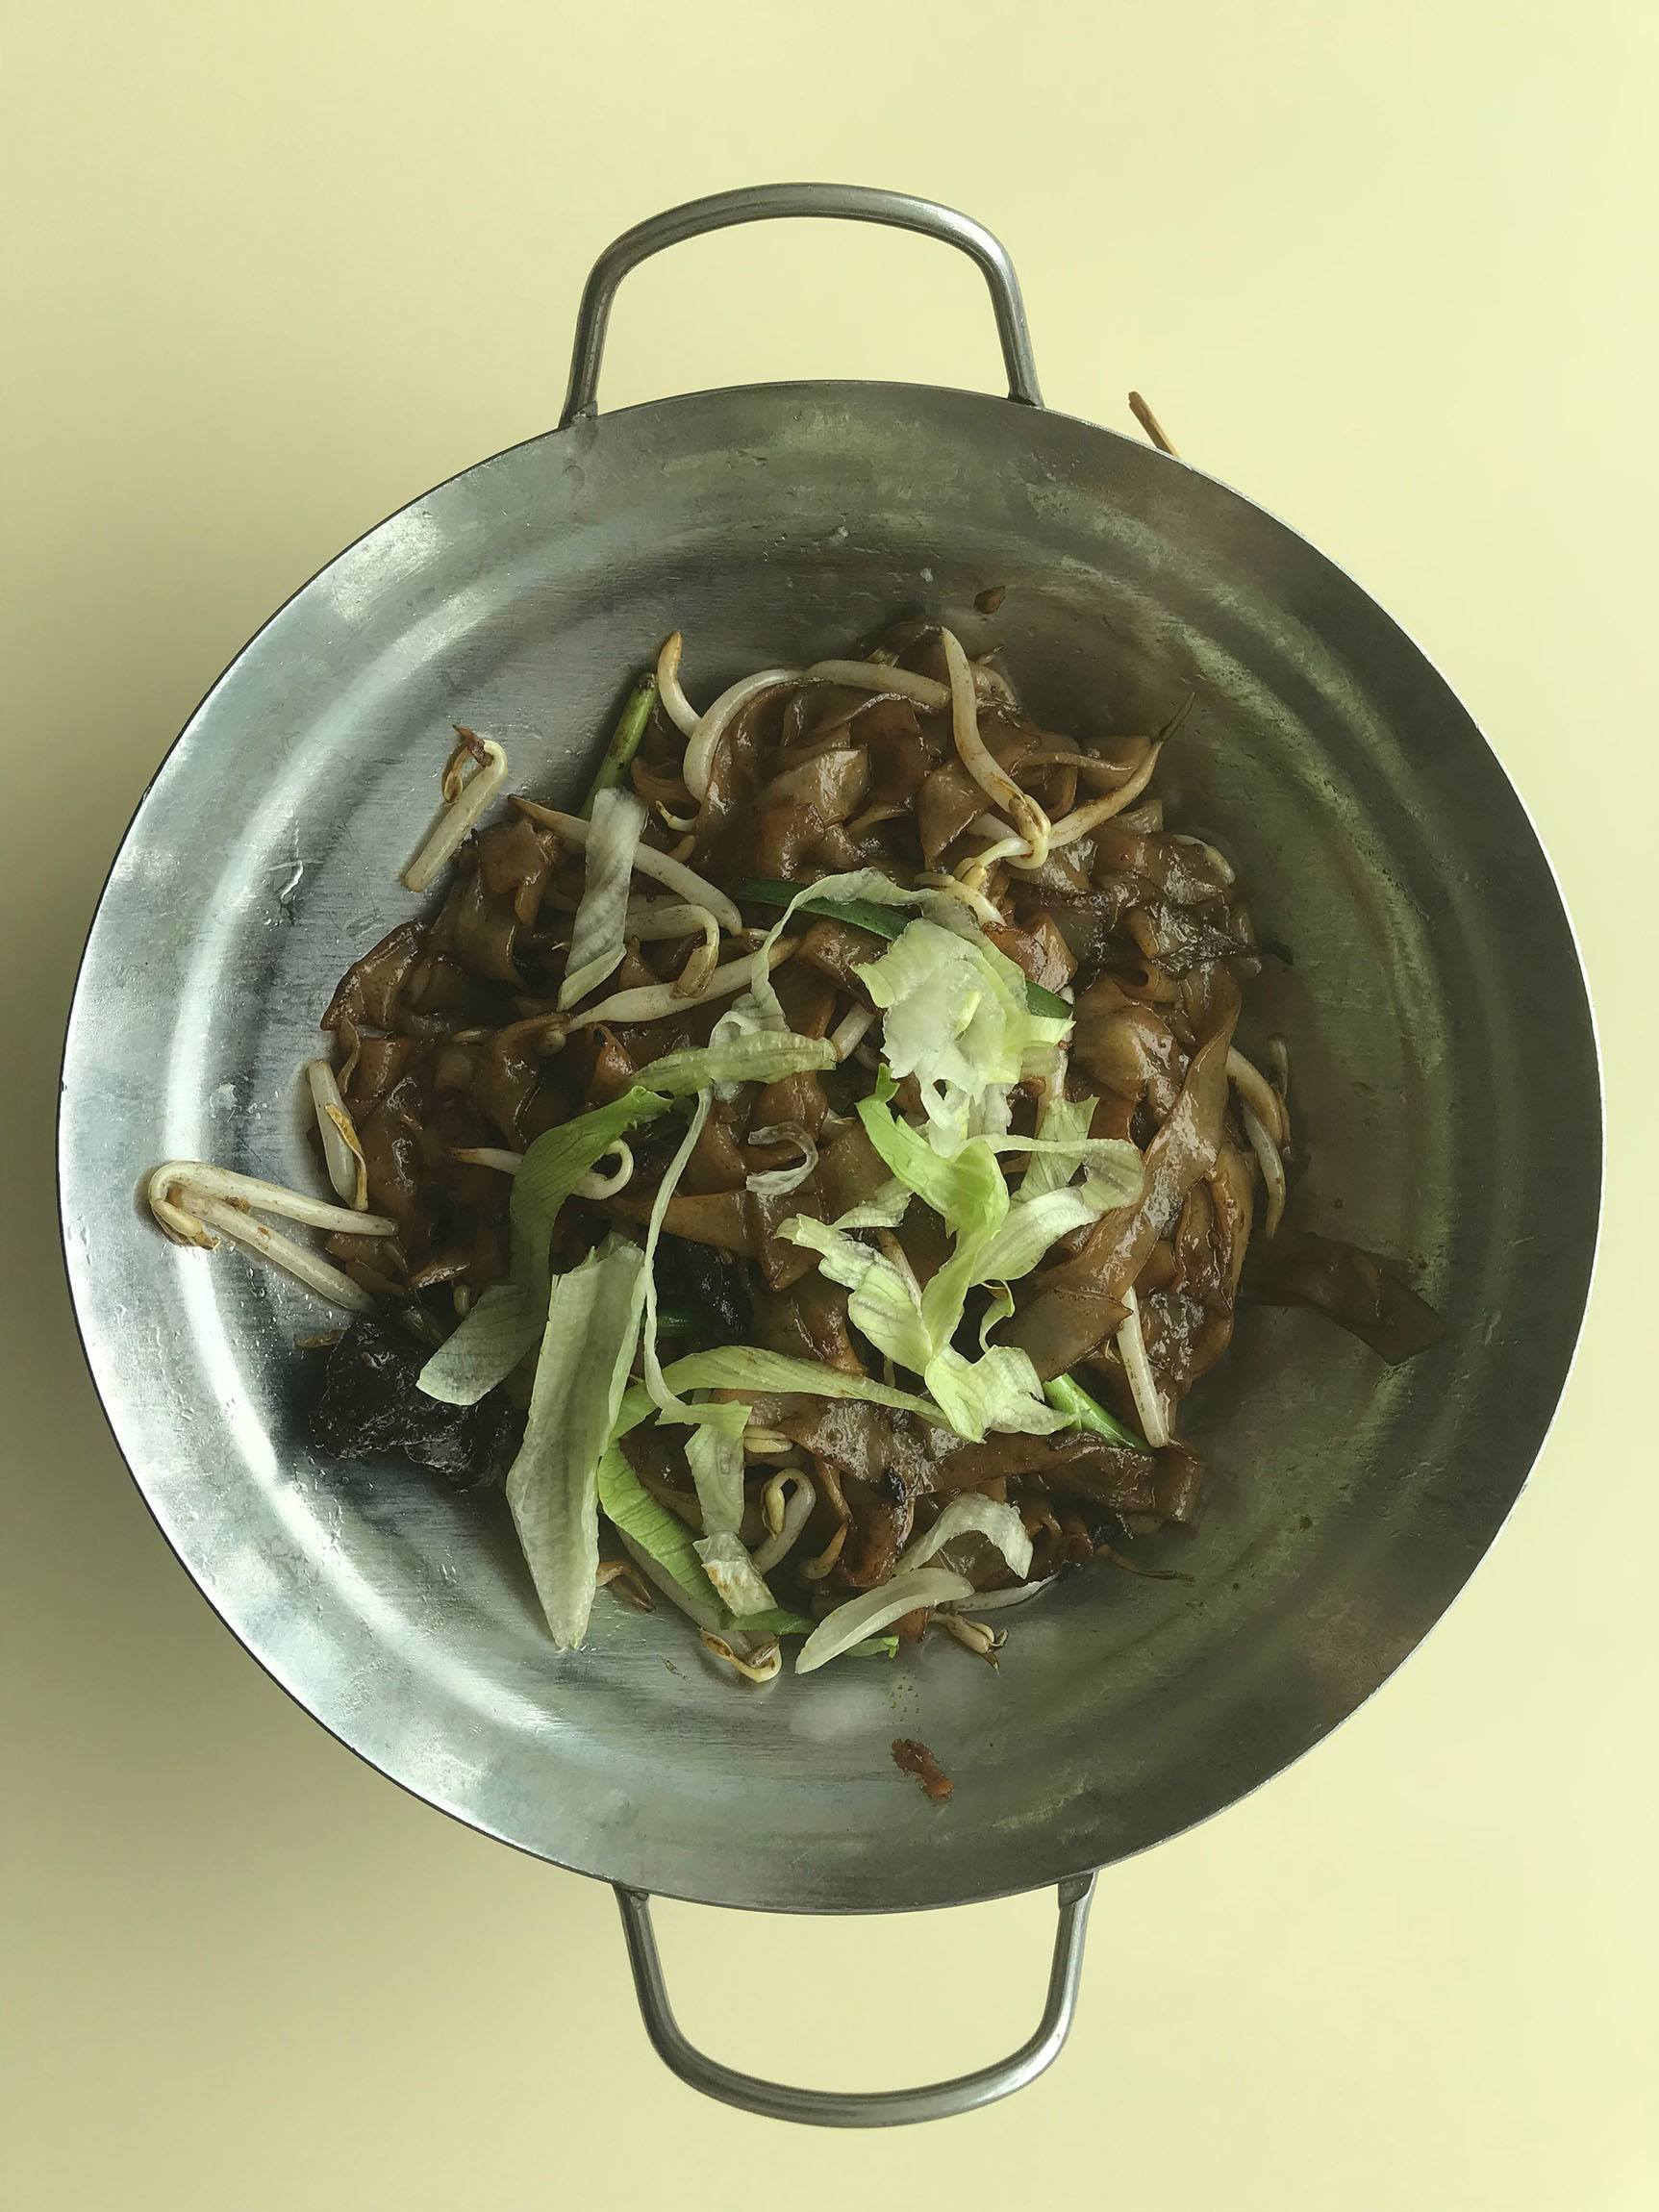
<point>1388,268</point>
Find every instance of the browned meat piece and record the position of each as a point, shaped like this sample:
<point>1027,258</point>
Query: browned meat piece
<point>912,1758</point>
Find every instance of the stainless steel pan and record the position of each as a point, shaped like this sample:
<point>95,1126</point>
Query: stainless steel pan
<point>1446,1082</point>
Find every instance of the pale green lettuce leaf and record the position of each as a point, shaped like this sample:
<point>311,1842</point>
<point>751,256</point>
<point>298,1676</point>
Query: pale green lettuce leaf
<point>966,1187</point>
<point>738,1582</point>
<point>1033,1224</point>
<point>760,1008</point>
<point>598,937</point>
<point>714,1451</point>
<point>998,1390</point>
<point>883,1303</point>
<point>955,1017</point>
<point>758,1056</point>
<point>1060,1146</point>
<point>593,1325</point>
<point>662,1394</point>
<point>972,1513</point>
<point>748,1369</point>
<point>663,1537</point>
<point>885,1210</point>
<point>510,1316</point>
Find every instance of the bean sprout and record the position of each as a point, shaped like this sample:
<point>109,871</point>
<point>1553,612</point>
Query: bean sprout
<point>297,1259</point>
<point>1256,1093</point>
<point>815,1569</point>
<point>1279,1060</point>
<point>767,1442</point>
<point>657,1001</point>
<point>623,1580</point>
<point>704,741</point>
<point>879,676</point>
<point>464,802</point>
<point>996,1600</point>
<point>1029,821</point>
<point>594,1185</point>
<point>1084,818</point>
<point>1271,1163</point>
<point>850,1030</point>
<point>970,897</point>
<point>342,1147</point>
<point>1143,1384</point>
<point>760,1661</point>
<point>662,922</point>
<point>243,1190</point>
<point>983,1641</point>
<point>675,704</point>
<point>794,1496</point>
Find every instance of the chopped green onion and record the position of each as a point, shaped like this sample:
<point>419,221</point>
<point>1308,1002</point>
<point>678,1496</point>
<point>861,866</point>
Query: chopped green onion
<point>1084,1412</point>
<point>624,741</point>
<point>884,921</point>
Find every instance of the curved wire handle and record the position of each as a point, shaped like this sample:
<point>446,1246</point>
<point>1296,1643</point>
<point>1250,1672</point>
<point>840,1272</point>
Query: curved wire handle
<point>867,2108</point>
<point>760,203</point>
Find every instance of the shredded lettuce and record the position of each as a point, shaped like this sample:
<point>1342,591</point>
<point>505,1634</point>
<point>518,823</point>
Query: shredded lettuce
<point>966,1187</point>
<point>593,1324</point>
<point>755,1057</point>
<point>955,1015</point>
<point>1034,1223</point>
<point>748,1369</point>
<point>760,1007</point>
<point>598,941</point>
<point>873,1610</point>
<point>884,1303</point>
<point>663,1537</point>
<point>735,1576</point>
<point>714,1450</point>
<point>885,1210</point>
<point>970,1513</point>
<point>510,1316</point>
<point>998,1390</point>
<point>1063,1144</point>
<point>881,921</point>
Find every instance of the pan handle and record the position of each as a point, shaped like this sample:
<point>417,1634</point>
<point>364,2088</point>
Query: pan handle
<point>867,2108</point>
<point>760,203</point>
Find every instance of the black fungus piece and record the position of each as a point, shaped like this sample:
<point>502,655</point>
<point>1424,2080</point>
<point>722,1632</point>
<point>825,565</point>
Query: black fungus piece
<point>710,1283</point>
<point>371,1404</point>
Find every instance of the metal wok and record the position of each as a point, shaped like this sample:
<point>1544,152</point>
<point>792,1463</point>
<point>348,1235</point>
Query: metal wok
<point>1445,1069</point>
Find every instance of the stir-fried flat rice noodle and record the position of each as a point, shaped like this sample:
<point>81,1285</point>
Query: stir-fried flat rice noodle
<point>866,1064</point>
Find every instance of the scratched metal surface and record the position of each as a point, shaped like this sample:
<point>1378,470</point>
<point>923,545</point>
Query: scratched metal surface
<point>1442,1050</point>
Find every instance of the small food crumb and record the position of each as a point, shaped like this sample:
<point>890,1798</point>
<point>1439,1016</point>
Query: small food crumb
<point>912,1758</point>
<point>989,600</point>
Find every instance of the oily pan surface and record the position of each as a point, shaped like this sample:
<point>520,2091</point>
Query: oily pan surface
<point>1444,1091</point>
